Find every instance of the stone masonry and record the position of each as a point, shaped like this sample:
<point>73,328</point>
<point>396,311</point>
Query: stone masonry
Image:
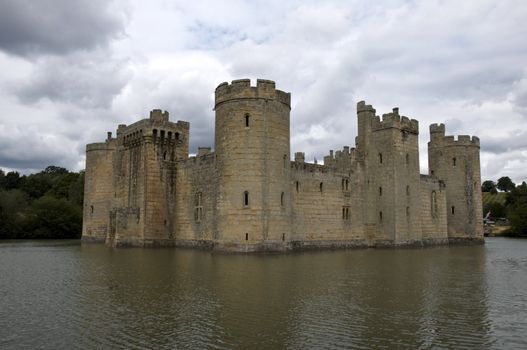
<point>143,189</point>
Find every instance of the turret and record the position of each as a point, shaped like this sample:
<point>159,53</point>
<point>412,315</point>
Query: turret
<point>456,162</point>
<point>253,156</point>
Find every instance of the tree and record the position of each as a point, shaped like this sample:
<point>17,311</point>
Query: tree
<point>13,204</point>
<point>51,217</point>
<point>488,186</point>
<point>517,203</point>
<point>2,179</point>
<point>12,180</point>
<point>505,184</point>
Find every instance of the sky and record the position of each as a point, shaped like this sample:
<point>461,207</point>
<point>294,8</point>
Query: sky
<point>73,70</point>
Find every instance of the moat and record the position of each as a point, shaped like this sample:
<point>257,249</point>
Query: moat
<point>61,294</point>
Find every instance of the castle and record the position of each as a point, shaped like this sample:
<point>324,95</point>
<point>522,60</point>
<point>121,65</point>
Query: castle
<point>143,189</point>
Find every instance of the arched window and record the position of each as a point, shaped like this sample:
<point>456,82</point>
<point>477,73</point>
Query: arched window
<point>247,117</point>
<point>245,199</point>
<point>380,158</point>
<point>282,199</point>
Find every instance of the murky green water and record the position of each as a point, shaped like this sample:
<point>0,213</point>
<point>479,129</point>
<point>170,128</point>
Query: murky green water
<point>59,294</point>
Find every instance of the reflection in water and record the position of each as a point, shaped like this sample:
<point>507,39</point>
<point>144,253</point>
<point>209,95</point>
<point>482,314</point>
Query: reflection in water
<point>65,295</point>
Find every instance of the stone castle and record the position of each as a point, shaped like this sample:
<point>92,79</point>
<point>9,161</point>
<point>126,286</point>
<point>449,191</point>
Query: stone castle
<point>143,189</point>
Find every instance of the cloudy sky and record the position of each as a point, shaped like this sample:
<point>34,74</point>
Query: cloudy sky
<point>72,70</point>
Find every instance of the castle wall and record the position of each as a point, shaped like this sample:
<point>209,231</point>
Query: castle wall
<point>326,207</point>
<point>433,211</point>
<point>196,201</point>
<point>98,190</point>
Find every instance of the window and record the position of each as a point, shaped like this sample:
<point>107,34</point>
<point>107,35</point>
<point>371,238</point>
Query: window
<point>285,161</point>
<point>380,158</point>
<point>245,199</point>
<point>433,204</point>
<point>407,212</point>
<point>407,159</point>
<point>380,216</point>
<point>283,237</point>
<point>165,155</point>
<point>453,210</point>
<point>176,136</point>
<point>282,199</point>
<point>247,120</point>
<point>454,161</point>
<point>321,187</point>
<point>246,236</point>
<point>407,190</point>
<point>380,191</point>
<point>91,209</point>
<point>297,186</point>
<point>345,184</point>
<point>345,213</point>
<point>198,207</point>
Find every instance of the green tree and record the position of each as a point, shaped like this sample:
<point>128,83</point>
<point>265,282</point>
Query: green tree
<point>517,212</point>
<point>12,180</point>
<point>51,217</point>
<point>488,186</point>
<point>505,184</point>
<point>2,179</point>
<point>13,204</point>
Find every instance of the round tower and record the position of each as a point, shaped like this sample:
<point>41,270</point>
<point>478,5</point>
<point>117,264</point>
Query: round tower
<point>456,162</point>
<point>252,145</point>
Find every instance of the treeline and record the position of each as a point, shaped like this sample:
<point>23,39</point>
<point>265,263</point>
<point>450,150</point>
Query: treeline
<point>511,203</point>
<point>47,204</point>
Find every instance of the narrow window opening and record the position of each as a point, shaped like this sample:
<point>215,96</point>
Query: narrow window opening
<point>176,136</point>
<point>434,204</point>
<point>246,198</point>
<point>347,184</point>
<point>162,135</point>
<point>247,120</point>
<point>407,159</point>
<point>454,161</point>
<point>380,158</point>
<point>345,213</point>
<point>453,210</point>
<point>91,208</point>
<point>246,236</point>
<point>165,155</point>
<point>407,211</point>
<point>380,191</point>
<point>380,216</point>
<point>165,222</point>
<point>169,137</point>
<point>154,133</point>
<point>283,237</point>
<point>285,161</point>
<point>321,187</point>
<point>297,186</point>
<point>282,199</point>
<point>198,207</point>
<point>407,190</point>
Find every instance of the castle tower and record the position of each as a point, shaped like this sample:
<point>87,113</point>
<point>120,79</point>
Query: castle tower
<point>98,189</point>
<point>389,152</point>
<point>252,145</point>
<point>456,162</point>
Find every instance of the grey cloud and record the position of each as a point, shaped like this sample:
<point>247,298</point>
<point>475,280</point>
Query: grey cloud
<point>57,26</point>
<point>88,80</point>
<point>505,144</point>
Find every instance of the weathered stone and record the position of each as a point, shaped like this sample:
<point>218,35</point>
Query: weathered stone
<point>142,189</point>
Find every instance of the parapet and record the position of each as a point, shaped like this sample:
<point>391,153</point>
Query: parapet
<point>300,157</point>
<point>242,89</point>
<point>158,115</point>
<point>437,135</point>
<point>363,107</point>
<point>203,151</point>
<point>394,120</point>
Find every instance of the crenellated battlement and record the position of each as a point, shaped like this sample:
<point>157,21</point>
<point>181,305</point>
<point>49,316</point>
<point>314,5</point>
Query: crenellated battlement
<point>394,120</point>
<point>157,115</point>
<point>363,107</point>
<point>437,136</point>
<point>242,89</point>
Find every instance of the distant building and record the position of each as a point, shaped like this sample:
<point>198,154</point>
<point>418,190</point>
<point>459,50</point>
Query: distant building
<point>143,189</point>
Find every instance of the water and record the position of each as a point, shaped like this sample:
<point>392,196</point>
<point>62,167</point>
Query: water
<point>60,294</point>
